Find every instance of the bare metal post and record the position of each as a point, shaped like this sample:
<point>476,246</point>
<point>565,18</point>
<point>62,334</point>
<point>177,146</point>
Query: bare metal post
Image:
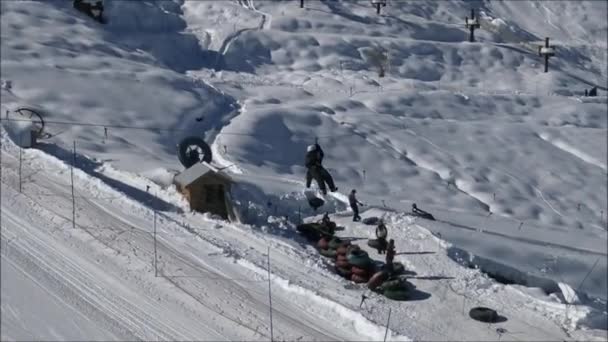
<point>546,55</point>
<point>387,323</point>
<point>155,258</point>
<point>20,162</point>
<point>546,51</point>
<point>1,175</point>
<point>270,297</point>
<point>301,3</point>
<point>72,178</point>
<point>472,24</point>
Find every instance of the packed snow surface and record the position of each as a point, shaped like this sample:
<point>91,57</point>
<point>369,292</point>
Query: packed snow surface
<point>511,161</point>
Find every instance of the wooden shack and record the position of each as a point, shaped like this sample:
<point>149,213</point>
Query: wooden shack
<point>207,189</point>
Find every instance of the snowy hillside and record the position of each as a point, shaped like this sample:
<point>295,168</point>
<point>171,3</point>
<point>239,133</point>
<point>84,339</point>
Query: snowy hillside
<point>511,161</point>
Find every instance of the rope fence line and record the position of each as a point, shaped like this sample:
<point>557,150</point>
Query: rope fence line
<point>330,137</point>
<point>131,229</point>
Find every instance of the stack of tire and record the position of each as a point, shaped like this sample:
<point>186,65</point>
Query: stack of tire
<point>328,247</point>
<point>395,288</point>
<point>363,266</point>
<point>343,267</point>
<point>355,264</point>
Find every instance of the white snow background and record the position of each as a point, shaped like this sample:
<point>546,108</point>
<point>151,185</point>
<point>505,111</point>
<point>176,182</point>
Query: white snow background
<point>511,161</point>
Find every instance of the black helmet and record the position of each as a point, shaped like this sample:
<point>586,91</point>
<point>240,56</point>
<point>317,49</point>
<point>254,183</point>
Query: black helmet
<point>353,191</point>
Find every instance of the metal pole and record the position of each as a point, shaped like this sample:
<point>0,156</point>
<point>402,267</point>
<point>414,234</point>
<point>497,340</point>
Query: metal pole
<point>20,161</point>
<point>387,323</point>
<point>546,55</point>
<point>301,3</point>
<point>155,257</point>
<point>72,178</point>
<point>270,297</point>
<point>378,8</point>
<point>1,177</point>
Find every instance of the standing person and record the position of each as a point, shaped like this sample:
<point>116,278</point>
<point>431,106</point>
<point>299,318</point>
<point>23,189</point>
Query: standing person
<point>352,200</point>
<point>381,234</point>
<point>390,255</point>
<point>326,221</point>
<point>316,171</point>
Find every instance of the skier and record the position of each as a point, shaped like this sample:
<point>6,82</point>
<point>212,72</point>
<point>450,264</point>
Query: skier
<point>313,160</point>
<point>390,255</point>
<point>381,233</point>
<point>352,200</point>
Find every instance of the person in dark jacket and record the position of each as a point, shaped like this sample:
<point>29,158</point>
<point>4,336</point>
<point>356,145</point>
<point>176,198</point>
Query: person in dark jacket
<point>381,234</point>
<point>352,200</point>
<point>390,255</point>
<point>316,171</point>
<point>326,221</point>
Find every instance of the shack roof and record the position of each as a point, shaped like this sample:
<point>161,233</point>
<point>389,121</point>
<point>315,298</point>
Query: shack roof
<point>197,171</point>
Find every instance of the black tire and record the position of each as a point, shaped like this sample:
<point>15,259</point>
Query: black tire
<point>398,268</point>
<point>189,143</point>
<point>336,242</point>
<point>373,243</point>
<point>316,203</point>
<point>344,272</point>
<point>396,294</point>
<point>359,258</point>
<point>370,220</point>
<point>483,314</point>
<point>330,253</point>
<point>396,284</point>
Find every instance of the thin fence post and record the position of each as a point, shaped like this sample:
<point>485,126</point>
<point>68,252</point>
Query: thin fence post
<point>388,321</point>
<point>155,255</point>
<point>270,297</point>
<point>1,179</point>
<point>20,162</point>
<point>72,181</point>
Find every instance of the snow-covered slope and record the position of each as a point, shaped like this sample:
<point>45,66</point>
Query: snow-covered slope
<point>510,160</point>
